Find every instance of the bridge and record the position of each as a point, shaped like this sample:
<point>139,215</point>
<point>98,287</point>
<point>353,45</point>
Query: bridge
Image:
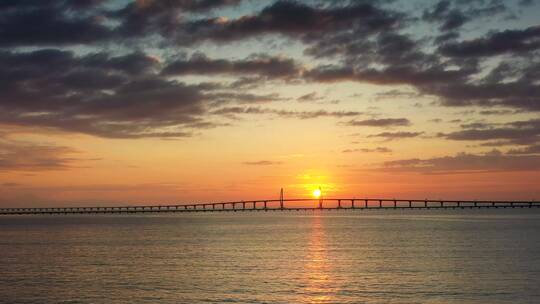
<point>326,204</point>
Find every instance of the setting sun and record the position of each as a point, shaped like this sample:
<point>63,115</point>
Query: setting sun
<point>317,192</point>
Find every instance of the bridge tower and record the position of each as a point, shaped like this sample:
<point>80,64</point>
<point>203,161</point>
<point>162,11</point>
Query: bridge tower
<point>320,198</point>
<point>281,199</point>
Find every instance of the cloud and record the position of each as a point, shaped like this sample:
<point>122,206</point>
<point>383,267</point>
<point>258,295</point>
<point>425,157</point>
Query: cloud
<point>261,163</point>
<point>456,82</point>
<point>313,96</point>
<point>34,23</point>
<point>26,156</point>
<point>67,65</point>
<point>532,149</point>
<point>220,98</point>
<point>494,161</point>
<point>496,112</point>
<point>383,122</point>
<point>517,132</point>
<point>450,18</point>
<point>289,18</point>
<point>285,113</point>
<point>141,18</point>
<point>387,76</point>
<point>397,135</point>
<point>390,94</point>
<point>453,71</point>
<point>508,41</point>
<point>199,64</point>
<point>367,150</point>
<point>102,95</point>
<point>453,15</point>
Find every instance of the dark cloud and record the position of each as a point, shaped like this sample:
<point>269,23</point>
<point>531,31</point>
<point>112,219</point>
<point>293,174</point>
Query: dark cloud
<point>508,41</point>
<point>512,84</point>
<point>289,18</point>
<point>518,132</point>
<point>494,161</point>
<point>397,135</point>
<point>263,65</point>
<point>389,75</point>
<point>64,22</point>
<point>140,18</point>
<point>382,122</point>
<point>32,23</point>
<point>97,94</point>
<point>522,93</point>
<point>449,18</point>
<point>121,96</point>
<point>393,58</point>
<point>453,15</point>
<point>131,95</point>
<point>526,2</point>
<point>133,63</point>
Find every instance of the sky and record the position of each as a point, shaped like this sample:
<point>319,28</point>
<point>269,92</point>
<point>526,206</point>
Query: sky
<point>114,102</point>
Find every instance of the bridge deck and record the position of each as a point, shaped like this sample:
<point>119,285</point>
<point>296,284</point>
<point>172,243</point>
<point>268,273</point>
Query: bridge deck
<point>279,205</point>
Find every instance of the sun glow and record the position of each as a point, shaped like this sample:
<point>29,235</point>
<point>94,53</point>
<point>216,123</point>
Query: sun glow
<point>317,193</point>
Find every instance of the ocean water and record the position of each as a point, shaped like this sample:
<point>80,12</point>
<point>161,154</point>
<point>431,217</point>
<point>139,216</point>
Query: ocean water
<point>421,256</point>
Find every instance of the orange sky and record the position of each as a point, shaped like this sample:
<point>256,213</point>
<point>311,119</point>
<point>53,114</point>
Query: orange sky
<point>156,104</point>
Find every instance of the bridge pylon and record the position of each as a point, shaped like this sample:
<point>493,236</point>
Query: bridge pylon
<point>320,198</point>
<point>281,199</point>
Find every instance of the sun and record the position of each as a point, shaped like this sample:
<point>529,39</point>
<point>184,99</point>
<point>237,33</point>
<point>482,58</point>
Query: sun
<point>317,193</point>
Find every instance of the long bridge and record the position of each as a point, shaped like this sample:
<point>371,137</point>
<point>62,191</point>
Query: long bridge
<point>279,205</point>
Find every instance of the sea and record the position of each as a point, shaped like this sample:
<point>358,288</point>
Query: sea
<point>483,256</point>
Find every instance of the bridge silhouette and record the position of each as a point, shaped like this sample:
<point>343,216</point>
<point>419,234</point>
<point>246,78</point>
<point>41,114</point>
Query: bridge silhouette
<point>326,204</point>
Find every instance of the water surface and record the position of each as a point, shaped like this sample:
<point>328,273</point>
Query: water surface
<point>404,256</point>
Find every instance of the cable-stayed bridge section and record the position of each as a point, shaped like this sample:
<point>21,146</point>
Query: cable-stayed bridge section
<point>327,204</point>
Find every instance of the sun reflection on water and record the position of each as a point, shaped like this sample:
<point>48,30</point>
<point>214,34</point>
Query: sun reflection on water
<point>319,280</point>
